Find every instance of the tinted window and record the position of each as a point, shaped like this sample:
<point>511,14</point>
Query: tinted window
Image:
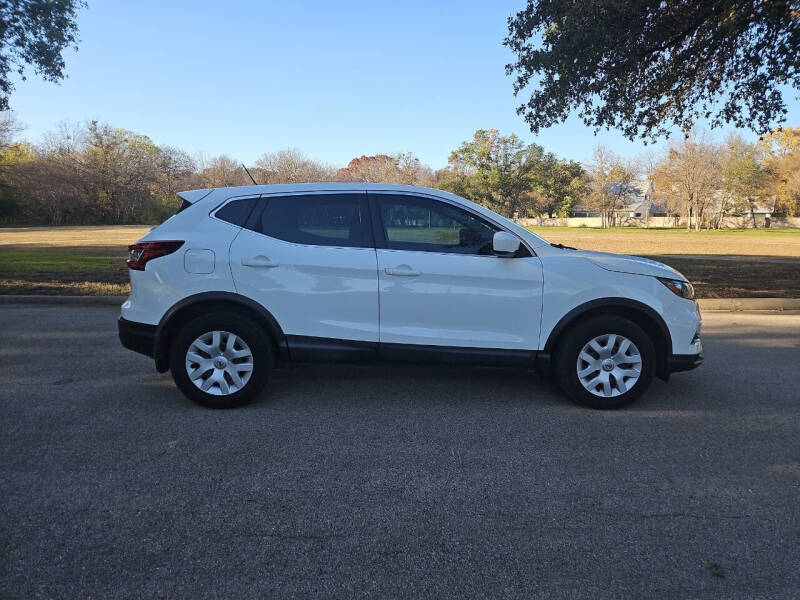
<point>184,205</point>
<point>236,212</point>
<point>318,220</point>
<point>414,223</point>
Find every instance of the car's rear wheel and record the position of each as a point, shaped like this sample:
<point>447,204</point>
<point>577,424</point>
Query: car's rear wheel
<point>221,360</point>
<point>605,362</point>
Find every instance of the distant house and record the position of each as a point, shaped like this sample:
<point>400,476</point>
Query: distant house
<point>641,203</point>
<point>638,202</point>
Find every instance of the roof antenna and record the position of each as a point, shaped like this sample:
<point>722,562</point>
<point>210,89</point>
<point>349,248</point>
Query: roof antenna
<point>248,174</point>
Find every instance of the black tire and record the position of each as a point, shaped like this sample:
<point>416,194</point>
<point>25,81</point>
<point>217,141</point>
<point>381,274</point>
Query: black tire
<point>246,329</point>
<point>573,341</point>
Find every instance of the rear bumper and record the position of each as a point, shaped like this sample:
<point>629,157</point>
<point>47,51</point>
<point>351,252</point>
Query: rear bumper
<point>139,337</point>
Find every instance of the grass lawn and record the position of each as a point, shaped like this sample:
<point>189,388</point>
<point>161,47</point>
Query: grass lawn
<point>67,260</point>
<point>115,236</point>
<point>91,260</point>
<point>94,271</point>
<point>718,278</point>
<point>633,240</point>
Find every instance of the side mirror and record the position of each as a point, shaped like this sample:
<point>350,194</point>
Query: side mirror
<point>504,244</point>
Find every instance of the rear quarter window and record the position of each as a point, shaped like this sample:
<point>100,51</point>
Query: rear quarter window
<point>237,211</point>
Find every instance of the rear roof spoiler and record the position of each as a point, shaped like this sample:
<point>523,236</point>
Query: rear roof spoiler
<point>192,196</point>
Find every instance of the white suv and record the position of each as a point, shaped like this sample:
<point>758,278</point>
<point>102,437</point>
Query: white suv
<point>244,278</point>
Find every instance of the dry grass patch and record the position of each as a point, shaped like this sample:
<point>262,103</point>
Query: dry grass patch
<point>63,288</point>
<point>85,237</point>
<point>627,240</point>
<point>732,279</point>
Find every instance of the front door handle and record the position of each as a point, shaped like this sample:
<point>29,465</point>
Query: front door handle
<point>402,271</point>
<point>259,261</point>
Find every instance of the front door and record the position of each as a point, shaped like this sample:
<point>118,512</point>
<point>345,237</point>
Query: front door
<point>440,284</point>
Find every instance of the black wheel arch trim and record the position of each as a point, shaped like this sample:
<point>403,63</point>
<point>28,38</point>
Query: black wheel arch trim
<point>544,356</point>
<point>161,350</point>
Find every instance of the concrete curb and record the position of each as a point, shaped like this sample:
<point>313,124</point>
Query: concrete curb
<point>80,300</point>
<point>748,304</point>
<point>706,304</point>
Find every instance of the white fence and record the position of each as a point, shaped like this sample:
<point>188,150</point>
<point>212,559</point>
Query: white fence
<point>728,222</point>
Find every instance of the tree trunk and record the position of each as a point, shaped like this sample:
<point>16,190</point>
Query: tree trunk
<point>752,206</point>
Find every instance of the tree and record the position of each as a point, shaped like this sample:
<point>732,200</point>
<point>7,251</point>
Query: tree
<point>647,164</point>
<point>13,158</point>
<point>557,185</point>
<point>96,173</point>
<point>174,172</point>
<point>689,177</point>
<point>404,168</point>
<point>34,33</point>
<point>494,170</point>
<point>9,128</point>
<point>291,166</point>
<point>411,171</point>
<point>644,66</point>
<point>610,182</point>
<point>781,157</point>
<point>222,171</point>
<point>743,177</point>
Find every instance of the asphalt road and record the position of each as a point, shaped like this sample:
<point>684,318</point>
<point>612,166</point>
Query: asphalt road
<point>394,481</point>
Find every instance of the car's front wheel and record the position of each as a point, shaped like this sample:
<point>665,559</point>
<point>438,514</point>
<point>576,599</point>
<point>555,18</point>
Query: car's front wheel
<point>221,360</point>
<point>605,362</point>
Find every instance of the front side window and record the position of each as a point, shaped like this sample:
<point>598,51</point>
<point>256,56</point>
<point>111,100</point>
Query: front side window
<point>317,220</point>
<point>427,225</point>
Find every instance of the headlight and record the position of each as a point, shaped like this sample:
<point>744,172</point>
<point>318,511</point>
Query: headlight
<point>684,289</point>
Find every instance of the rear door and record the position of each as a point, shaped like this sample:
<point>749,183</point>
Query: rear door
<point>440,284</point>
<point>310,260</point>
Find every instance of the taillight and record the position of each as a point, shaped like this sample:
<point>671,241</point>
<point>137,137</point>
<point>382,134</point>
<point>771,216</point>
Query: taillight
<point>141,252</point>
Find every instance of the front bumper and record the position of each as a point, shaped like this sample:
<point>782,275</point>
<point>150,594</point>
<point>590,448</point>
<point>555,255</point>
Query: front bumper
<point>683,362</point>
<point>139,337</point>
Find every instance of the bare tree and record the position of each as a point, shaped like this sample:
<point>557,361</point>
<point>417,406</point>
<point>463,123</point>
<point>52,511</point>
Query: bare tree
<point>174,171</point>
<point>743,177</point>
<point>689,177</point>
<point>610,182</point>
<point>380,168</point>
<point>291,166</point>
<point>9,128</point>
<point>223,171</point>
<point>648,163</point>
<point>412,171</point>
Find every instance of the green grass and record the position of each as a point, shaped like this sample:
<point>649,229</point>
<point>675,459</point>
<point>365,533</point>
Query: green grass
<point>40,263</point>
<point>95,271</point>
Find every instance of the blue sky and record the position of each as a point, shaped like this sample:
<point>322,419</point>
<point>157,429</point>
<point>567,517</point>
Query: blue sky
<point>335,80</point>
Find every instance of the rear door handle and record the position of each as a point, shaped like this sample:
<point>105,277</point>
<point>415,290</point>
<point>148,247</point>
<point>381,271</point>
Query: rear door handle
<point>402,271</point>
<point>259,261</point>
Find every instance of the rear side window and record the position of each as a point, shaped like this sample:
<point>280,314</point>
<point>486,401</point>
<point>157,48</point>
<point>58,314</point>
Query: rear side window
<point>236,212</point>
<point>316,220</point>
